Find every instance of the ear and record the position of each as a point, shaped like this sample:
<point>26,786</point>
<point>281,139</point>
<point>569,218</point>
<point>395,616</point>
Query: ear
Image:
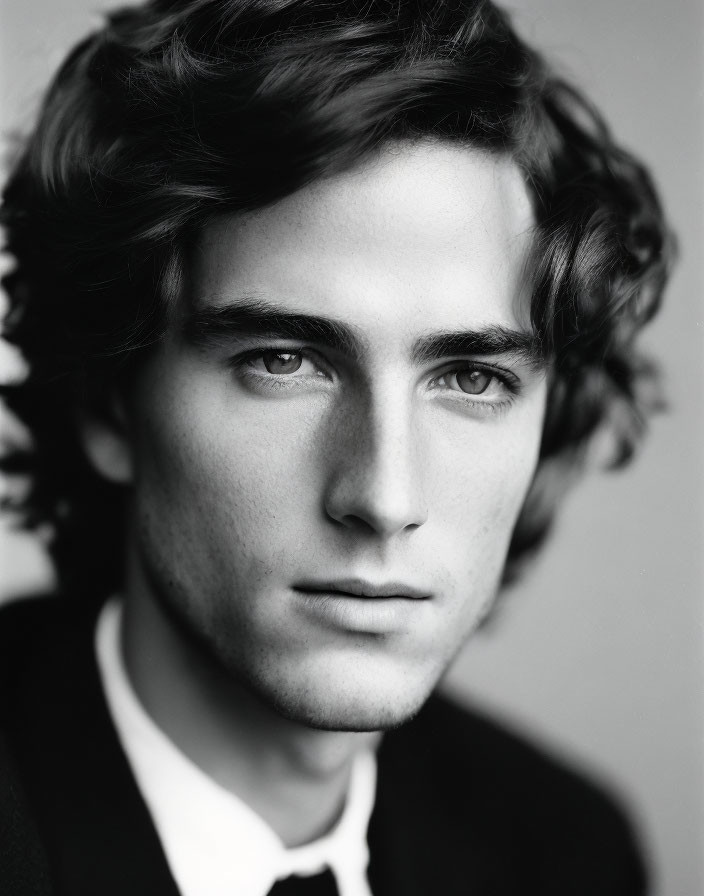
<point>105,437</point>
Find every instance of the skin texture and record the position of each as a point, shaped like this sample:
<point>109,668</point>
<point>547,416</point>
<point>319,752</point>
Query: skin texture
<point>372,464</point>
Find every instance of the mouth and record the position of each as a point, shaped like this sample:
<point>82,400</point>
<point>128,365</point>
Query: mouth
<point>361,588</point>
<point>363,607</point>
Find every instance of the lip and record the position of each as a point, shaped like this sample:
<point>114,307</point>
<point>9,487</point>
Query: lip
<point>360,607</point>
<point>362,588</point>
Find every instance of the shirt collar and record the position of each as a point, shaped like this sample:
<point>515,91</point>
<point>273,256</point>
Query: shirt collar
<point>213,841</point>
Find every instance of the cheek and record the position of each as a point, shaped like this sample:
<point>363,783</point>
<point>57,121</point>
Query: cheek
<point>477,497</point>
<point>490,477</point>
<point>225,480</point>
<point>474,530</point>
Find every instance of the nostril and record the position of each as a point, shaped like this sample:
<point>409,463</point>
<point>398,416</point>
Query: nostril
<point>375,513</point>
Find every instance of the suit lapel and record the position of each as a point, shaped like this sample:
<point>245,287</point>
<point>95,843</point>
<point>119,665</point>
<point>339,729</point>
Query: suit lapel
<point>95,826</point>
<point>414,852</point>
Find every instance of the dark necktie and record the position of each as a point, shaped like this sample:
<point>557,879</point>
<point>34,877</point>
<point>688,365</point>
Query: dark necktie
<point>322,884</point>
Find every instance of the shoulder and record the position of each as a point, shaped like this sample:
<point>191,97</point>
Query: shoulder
<point>39,612</point>
<point>46,648</point>
<point>47,663</point>
<point>518,806</point>
<point>29,626</point>
<point>26,626</point>
<point>469,750</point>
<point>23,866</point>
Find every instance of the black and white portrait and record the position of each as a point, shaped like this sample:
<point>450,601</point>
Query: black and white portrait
<point>351,448</point>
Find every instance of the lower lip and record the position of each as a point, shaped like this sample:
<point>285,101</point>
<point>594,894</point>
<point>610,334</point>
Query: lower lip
<point>363,615</point>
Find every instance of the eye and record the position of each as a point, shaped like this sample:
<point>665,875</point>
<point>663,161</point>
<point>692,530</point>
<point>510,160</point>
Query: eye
<point>481,389</point>
<point>473,380</point>
<point>281,367</point>
<point>283,362</point>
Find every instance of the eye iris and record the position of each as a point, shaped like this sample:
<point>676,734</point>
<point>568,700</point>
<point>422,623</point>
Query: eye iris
<point>282,362</point>
<point>473,381</point>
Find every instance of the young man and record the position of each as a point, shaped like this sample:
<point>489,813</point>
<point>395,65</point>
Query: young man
<point>322,305</point>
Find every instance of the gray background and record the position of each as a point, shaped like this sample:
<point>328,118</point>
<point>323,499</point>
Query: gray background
<point>599,652</point>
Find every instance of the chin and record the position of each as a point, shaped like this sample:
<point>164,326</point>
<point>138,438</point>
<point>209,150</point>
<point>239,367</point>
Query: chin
<point>361,715</point>
<point>346,703</point>
<point>362,688</point>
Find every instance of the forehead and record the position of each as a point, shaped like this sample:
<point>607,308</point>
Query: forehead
<point>423,235</point>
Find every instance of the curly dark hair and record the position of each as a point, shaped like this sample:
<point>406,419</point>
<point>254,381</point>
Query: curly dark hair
<point>181,111</point>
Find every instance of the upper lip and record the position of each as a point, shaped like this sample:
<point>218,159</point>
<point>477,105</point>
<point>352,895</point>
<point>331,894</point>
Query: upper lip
<point>363,588</point>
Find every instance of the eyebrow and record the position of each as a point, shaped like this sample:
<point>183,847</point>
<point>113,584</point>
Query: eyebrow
<point>255,317</point>
<point>215,324</point>
<point>490,340</point>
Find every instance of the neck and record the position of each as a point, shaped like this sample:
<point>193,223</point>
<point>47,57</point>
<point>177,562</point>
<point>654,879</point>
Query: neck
<point>293,776</point>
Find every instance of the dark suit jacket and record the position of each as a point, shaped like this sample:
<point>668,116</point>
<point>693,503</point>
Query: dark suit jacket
<point>462,806</point>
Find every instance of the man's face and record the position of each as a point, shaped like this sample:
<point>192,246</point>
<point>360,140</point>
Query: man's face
<point>328,505</point>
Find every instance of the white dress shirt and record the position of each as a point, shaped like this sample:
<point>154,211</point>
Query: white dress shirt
<point>214,843</point>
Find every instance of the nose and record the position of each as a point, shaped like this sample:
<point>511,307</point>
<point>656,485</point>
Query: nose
<point>377,477</point>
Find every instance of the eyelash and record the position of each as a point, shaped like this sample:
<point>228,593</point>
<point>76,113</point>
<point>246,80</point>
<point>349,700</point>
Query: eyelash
<point>509,382</point>
<point>242,364</point>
